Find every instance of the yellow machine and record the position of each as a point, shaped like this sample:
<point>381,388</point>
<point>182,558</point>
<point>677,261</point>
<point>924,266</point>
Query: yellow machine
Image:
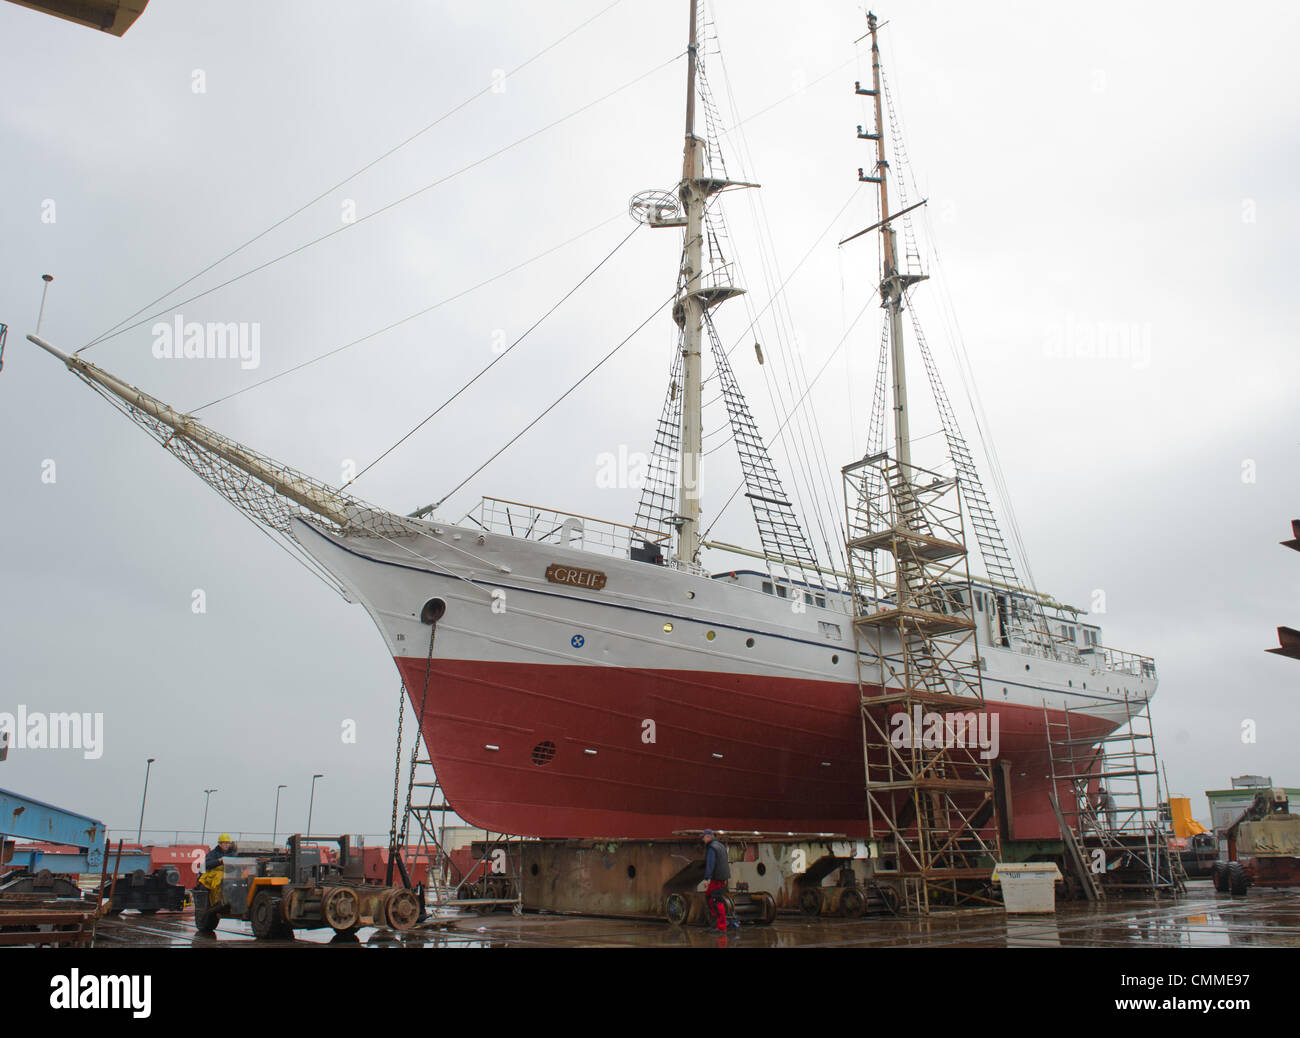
<point>1184,824</point>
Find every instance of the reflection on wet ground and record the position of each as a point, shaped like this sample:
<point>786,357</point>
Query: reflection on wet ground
<point>1203,918</point>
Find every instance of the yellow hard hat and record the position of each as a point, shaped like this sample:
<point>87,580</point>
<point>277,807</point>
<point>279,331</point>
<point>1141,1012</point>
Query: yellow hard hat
<point>224,838</point>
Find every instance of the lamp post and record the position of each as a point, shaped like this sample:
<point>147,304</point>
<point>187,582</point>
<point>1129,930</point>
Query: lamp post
<point>206,798</point>
<point>275,824</point>
<point>47,278</point>
<point>148,764</point>
<point>311,804</point>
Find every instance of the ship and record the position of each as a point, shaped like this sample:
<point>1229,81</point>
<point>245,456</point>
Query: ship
<point>575,677</point>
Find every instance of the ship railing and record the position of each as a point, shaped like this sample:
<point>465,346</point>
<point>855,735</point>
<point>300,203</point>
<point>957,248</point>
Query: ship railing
<point>566,529</point>
<point>721,277</point>
<point>1122,662</point>
<point>1028,640</point>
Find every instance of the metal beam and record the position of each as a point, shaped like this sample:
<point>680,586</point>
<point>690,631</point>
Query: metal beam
<point>65,864</point>
<point>25,818</point>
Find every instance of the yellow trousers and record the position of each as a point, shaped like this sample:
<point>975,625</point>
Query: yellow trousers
<point>212,881</point>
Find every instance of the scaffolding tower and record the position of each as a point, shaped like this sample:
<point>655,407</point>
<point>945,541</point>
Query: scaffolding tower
<point>929,785</point>
<point>428,806</point>
<point>1117,838</point>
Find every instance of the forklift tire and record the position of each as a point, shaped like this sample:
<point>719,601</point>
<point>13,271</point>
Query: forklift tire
<point>1238,881</point>
<point>205,921</point>
<point>263,915</point>
<point>1219,873</point>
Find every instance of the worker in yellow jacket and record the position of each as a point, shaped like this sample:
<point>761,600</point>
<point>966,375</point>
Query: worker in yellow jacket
<point>213,870</point>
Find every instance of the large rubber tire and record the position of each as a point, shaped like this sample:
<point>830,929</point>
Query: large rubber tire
<point>1238,881</point>
<point>264,915</point>
<point>204,919</point>
<point>1219,874</point>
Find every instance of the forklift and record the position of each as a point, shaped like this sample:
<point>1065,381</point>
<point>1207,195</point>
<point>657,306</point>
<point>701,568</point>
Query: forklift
<point>298,890</point>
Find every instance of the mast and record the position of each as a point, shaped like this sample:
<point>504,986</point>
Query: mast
<point>892,283</point>
<point>695,296</point>
<point>692,194</point>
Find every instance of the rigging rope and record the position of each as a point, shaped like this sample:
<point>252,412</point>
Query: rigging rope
<point>348,179</point>
<point>806,450</point>
<point>410,317</point>
<point>556,403</point>
<point>495,360</point>
<point>781,428</point>
<point>385,208</point>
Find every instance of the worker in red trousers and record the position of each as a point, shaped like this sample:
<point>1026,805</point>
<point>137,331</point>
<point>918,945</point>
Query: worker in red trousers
<point>716,871</point>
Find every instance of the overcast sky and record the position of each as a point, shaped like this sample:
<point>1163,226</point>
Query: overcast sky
<point>1111,171</point>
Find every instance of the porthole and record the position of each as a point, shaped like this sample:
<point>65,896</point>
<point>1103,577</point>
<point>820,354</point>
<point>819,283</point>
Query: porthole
<point>1072,682</point>
<point>761,869</point>
<point>749,643</point>
<point>690,594</point>
<point>543,753</point>
<point>835,659</point>
<point>533,869</point>
<point>1026,666</point>
<point>668,628</point>
<point>710,636</point>
<point>631,872</point>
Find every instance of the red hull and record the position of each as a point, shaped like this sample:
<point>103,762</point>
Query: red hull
<point>790,751</point>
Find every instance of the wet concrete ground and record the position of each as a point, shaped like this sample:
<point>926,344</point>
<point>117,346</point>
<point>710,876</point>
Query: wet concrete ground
<point>1203,918</point>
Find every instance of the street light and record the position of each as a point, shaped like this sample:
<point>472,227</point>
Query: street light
<point>207,797</point>
<point>275,824</point>
<point>312,803</point>
<point>47,278</point>
<point>148,764</point>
